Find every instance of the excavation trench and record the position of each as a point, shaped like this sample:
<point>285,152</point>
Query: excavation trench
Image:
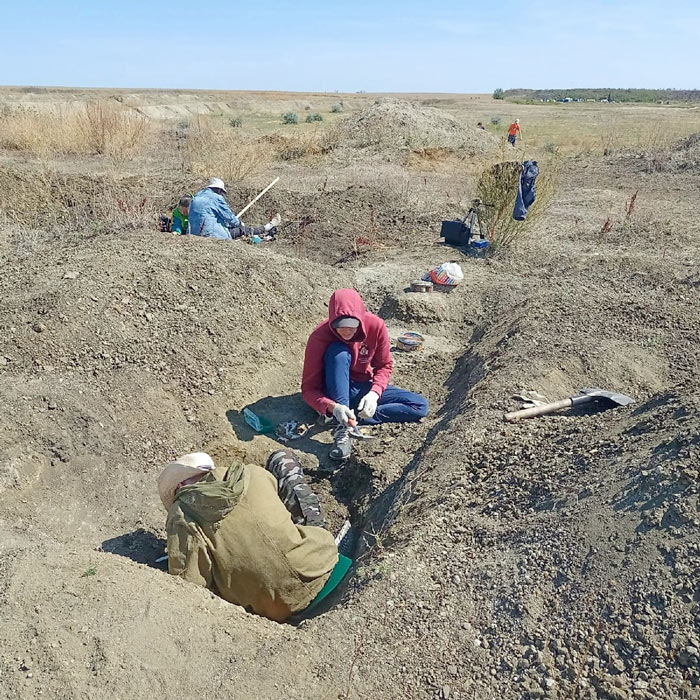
<point>361,490</point>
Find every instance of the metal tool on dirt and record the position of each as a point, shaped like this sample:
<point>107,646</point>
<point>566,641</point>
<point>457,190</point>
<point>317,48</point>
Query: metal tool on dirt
<point>422,286</point>
<point>608,399</point>
<point>250,204</point>
<point>355,432</point>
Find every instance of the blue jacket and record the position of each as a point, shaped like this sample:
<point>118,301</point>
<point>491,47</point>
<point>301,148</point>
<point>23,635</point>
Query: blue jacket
<point>526,189</point>
<point>210,215</point>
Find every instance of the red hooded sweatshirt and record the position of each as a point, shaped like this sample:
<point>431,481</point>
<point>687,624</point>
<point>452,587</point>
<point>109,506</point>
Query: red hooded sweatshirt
<point>370,350</point>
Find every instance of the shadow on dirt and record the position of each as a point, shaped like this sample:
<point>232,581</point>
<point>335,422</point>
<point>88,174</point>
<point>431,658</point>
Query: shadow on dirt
<point>279,409</point>
<point>140,546</point>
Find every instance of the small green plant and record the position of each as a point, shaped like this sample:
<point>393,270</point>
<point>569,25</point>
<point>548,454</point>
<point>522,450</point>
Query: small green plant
<point>315,117</point>
<point>495,120</point>
<point>337,108</point>
<point>498,94</point>
<point>89,572</point>
<point>290,118</point>
<point>236,122</point>
<point>382,570</point>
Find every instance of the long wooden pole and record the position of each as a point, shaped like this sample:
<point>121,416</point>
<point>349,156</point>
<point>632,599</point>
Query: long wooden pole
<point>250,204</point>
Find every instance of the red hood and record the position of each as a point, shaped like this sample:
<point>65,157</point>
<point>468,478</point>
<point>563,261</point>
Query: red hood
<point>347,302</point>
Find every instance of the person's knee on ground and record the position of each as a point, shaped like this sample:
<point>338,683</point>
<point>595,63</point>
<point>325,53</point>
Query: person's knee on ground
<point>282,463</point>
<point>421,407</point>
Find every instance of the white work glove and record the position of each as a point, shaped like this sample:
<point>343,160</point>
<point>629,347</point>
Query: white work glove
<point>368,404</point>
<point>344,415</point>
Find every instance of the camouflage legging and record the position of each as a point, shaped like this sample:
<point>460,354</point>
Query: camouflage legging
<point>293,490</point>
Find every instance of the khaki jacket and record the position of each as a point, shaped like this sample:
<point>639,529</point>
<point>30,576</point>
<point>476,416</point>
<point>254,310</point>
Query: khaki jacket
<point>255,556</point>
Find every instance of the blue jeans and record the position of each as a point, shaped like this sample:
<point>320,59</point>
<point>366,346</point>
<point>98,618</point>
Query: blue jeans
<point>394,406</point>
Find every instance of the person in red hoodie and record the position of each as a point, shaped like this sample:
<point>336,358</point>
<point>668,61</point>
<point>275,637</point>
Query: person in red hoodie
<point>347,367</point>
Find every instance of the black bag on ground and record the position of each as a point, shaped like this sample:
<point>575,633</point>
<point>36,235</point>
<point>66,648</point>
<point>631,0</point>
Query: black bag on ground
<point>164,223</point>
<point>455,232</point>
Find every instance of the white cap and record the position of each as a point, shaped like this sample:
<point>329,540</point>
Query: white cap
<point>193,464</point>
<point>346,322</point>
<point>517,121</point>
<point>218,183</point>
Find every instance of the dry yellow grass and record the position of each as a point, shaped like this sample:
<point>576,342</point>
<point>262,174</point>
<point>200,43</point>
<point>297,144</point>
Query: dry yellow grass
<point>109,129</point>
<point>45,198</point>
<point>99,127</point>
<point>597,129</point>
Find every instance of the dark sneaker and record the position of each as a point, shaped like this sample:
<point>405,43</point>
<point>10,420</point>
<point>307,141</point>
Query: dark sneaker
<point>343,443</point>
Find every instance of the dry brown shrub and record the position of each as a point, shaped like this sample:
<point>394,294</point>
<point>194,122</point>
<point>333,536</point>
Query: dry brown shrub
<point>224,153</point>
<point>303,144</point>
<point>681,156</point>
<point>110,129</point>
<point>45,199</point>
<point>497,189</point>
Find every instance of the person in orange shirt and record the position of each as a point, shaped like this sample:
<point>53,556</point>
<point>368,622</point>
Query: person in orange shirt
<point>513,131</point>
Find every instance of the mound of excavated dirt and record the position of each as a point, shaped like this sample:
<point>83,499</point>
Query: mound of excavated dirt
<point>683,156</point>
<point>686,154</point>
<point>398,125</point>
<point>564,554</point>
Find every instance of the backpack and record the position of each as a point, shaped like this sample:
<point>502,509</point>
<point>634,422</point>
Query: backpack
<point>164,223</point>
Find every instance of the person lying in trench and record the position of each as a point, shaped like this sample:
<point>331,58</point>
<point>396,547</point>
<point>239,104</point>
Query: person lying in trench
<point>347,367</point>
<point>210,216</point>
<point>254,536</point>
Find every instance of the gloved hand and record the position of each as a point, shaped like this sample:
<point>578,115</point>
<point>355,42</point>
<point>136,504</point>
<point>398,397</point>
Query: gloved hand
<point>368,404</point>
<point>344,415</point>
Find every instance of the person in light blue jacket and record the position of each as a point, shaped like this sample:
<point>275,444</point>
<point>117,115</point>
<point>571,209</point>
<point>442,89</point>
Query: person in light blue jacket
<point>210,216</point>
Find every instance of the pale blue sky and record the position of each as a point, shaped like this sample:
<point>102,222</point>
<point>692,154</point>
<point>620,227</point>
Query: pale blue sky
<point>308,45</point>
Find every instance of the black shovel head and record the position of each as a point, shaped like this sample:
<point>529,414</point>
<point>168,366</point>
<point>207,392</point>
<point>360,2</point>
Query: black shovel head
<point>610,398</point>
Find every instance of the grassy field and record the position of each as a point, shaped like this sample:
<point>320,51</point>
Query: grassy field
<point>573,127</point>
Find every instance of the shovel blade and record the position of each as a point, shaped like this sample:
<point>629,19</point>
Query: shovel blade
<point>612,398</point>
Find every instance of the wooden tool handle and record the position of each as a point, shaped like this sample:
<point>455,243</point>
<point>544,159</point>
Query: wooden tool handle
<point>539,410</point>
<point>250,204</point>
